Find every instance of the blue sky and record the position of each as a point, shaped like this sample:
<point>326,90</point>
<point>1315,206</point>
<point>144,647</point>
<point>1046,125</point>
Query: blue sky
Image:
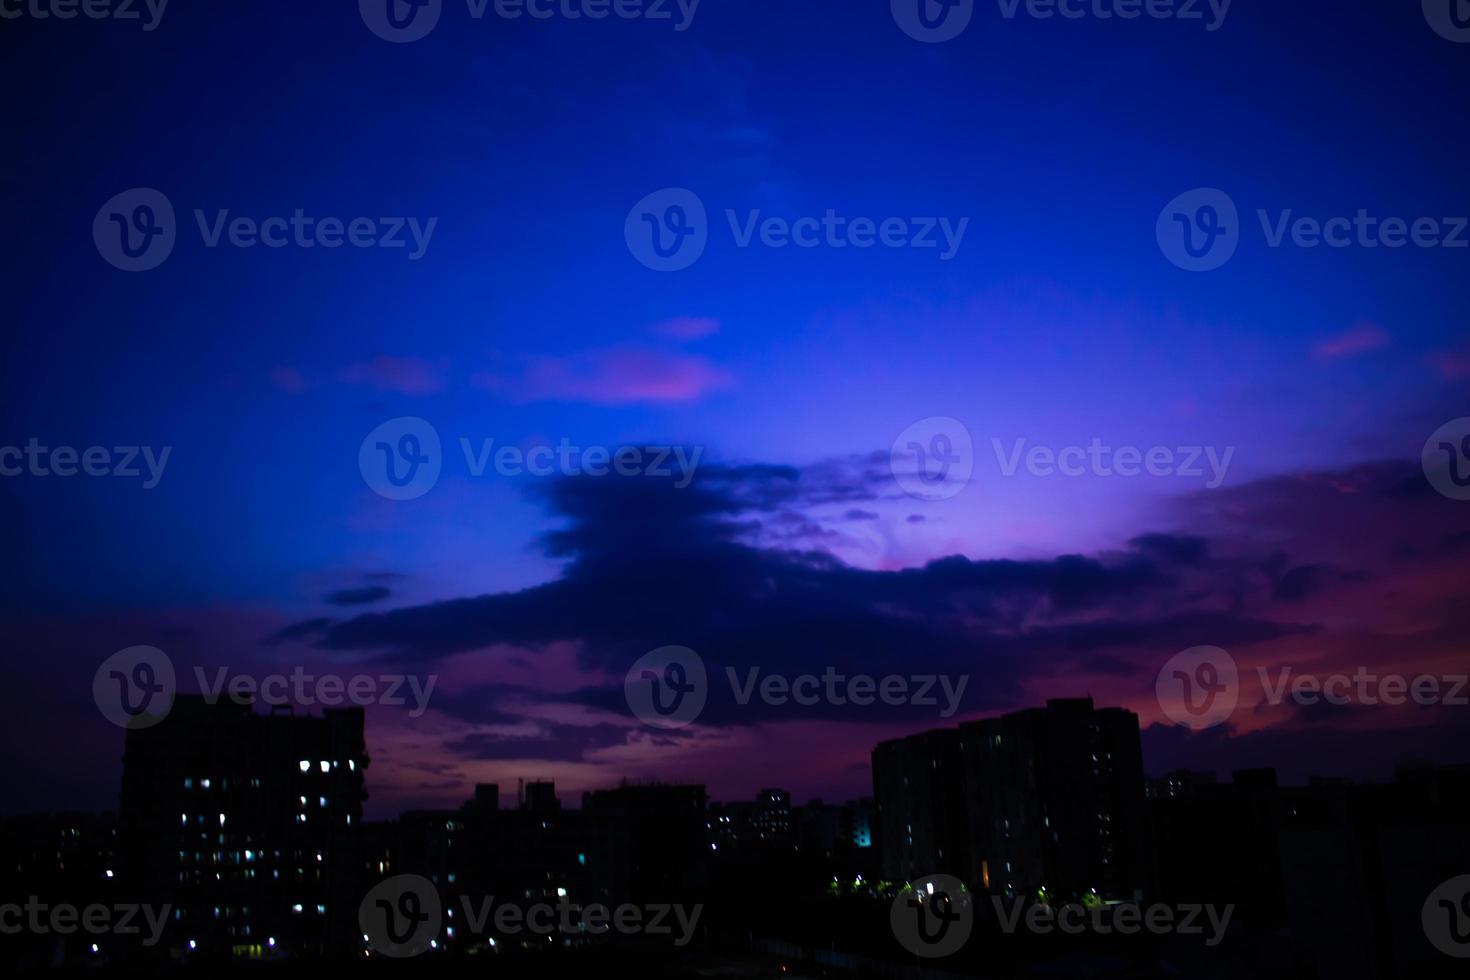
<point>528,319</point>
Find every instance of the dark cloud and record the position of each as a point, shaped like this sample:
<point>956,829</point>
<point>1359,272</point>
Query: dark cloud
<point>649,565</point>
<point>552,742</point>
<point>305,627</point>
<point>1176,549</point>
<point>362,596</point>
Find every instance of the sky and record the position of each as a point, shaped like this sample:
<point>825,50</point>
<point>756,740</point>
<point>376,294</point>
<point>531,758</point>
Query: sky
<point>525,153</point>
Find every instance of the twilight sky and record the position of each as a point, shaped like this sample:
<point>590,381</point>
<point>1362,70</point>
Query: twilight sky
<point>528,320</point>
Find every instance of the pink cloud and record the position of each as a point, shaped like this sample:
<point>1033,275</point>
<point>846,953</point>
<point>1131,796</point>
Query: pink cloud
<point>287,379</point>
<point>686,327</point>
<point>405,375</point>
<point>1359,339</point>
<point>618,376</point>
<point>1452,365</point>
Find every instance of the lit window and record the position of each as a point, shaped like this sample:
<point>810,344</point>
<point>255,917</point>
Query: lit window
<point>305,765</point>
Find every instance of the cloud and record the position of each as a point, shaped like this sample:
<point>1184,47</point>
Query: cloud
<point>730,567</point>
<point>1452,365</point>
<point>548,741</point>
<point>686,327</point>
<point>404,375</point>
<point>617,376</point>
<point>361,596</point>
<point>650,565</point>
<point>287,379</point>
<point>1358,339</point>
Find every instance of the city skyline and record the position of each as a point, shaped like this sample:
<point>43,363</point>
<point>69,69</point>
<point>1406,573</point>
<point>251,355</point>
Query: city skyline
<point>939,461</point>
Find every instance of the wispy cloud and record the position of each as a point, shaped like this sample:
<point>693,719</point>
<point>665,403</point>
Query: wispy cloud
<point>404,375</point>
<point>616,376</point>
<point>686,327</point>
<point>1361,338</point>
<point>287,379</point>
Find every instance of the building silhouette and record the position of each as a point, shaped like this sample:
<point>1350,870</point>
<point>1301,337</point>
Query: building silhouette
<point>1048,798</point>
<point>248,824</point>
